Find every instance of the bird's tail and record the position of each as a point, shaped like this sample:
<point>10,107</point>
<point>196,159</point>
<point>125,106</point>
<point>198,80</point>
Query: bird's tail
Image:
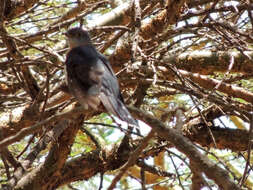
<point>117,108</point>
<point>124,115</point>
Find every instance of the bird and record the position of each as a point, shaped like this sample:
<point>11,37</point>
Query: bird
<point>90,77</point>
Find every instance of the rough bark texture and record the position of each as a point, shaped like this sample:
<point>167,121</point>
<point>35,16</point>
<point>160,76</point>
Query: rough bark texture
<point>187,74</point>
<point>211,170</point>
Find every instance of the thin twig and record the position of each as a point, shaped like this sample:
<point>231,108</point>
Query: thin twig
<point>113,126</point>
<point>132,159</point>
<point>26,147</point>
<point>177,73</point>
<point>137,25</point>
<point>154,169</point>
<point>143,179</point>
<point>243,179</point>
<point>101,181</point>
<point>92,137</point>
<point>178,175</point>
<point>34,128</point>
<point>6,166</point>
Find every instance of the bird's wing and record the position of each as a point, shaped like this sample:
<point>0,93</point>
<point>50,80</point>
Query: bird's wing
<point>91,79</point>
<point>84,75</point>
<point>110,94</point>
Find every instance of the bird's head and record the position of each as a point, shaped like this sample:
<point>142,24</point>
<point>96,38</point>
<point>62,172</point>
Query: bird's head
<point>78,37</point>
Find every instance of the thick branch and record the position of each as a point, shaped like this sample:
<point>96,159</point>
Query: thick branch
<point>208,83</point>
<point>15,8</point>
<point>44,176</point>
<point>97,161</point>
<point>29,130</point>
<point>212,171</point>
<point>122,54</point>
<point>208,62</point>
<point>223,137</point>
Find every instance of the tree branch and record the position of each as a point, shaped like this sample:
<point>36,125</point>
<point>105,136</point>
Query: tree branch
<point>211,170</point>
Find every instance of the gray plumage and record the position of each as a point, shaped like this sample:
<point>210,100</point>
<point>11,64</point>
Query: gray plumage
<point>90,77</point>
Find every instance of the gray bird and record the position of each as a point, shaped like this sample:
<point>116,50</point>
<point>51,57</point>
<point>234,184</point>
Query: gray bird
<point>90,77</point>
